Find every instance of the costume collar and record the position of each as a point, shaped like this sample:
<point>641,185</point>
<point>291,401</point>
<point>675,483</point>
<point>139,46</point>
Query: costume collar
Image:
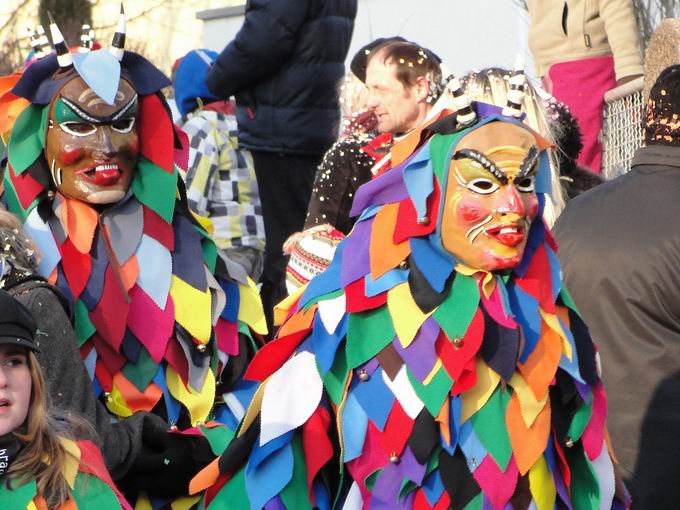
<point>657,155</point>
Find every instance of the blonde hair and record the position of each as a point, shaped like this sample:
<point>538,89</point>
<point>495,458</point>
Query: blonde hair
<point>491,86</point>
<point>44,456</point>
<point>15,245</point>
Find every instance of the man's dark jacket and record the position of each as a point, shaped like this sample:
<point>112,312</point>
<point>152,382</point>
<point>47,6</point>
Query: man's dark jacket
<point>284,66</point>
<point>620,253</point>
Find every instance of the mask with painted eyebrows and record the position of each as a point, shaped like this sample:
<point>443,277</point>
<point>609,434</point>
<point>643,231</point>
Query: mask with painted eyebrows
<point>92,147</point>
<point>490,200</point>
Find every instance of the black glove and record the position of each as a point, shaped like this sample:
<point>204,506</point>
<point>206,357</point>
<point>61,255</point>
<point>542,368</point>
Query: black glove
<point>166,463</point>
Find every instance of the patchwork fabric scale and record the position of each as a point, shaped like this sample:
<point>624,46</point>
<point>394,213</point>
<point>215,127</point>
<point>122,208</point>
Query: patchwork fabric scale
<point>86,475</point>
<point>404,377</point>
<point>164,322</point>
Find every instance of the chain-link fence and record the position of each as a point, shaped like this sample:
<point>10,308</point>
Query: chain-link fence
<point>622,129</point>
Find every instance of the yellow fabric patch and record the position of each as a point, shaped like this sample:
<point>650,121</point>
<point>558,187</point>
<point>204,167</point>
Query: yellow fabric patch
<point>407,317</point>
<point>554,324</point>
<point>199,403</point>
<point>184,503</point>
<point>31,506</point>
<point>488,280</point>
<point>281,310</point>
<point>250,308</point>
<point>207,225</point>
<point>192,309</point>
<point>143,502</point>
<point>253,409</point>
<point>529,406</point>
<point>541,485</point>
<point>433,372</point>
<point>474,400</point>
<point>72,461</point>
<point>116,403</point>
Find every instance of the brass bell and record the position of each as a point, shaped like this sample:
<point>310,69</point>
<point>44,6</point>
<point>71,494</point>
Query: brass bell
<point>457,342</point>
<point>403,264</point>
<point>394,458</point>
<point>201,348</point>
<point>569,442</point>
<point>107,395</point>
<point>423,220</point>
<point>363,375</point>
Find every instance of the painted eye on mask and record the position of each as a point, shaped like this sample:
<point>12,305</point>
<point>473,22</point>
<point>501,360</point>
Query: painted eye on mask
<point>123,125</point>
<point>482,186</point>
<point>78,128</point>
<point>525,184</point>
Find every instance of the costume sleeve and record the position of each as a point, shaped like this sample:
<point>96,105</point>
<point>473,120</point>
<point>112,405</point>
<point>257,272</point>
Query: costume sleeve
<point>70,387</point>
<point>260,47</point>
<point>622,33</point>
<point>203,163</point>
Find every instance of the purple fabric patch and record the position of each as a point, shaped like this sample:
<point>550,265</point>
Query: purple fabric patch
<point>388,188</point>
<point>275,504</point>
<point>561,489</point>
<point>369,366</point>
<point>385,495</point>
<point>410,468</point>
<point>584,390</point>
<point>420,356</point>
<point>358,264</point>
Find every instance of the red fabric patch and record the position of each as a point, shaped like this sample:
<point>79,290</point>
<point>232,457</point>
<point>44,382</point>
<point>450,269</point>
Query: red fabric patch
<point>456,360</point>
<point>76,266</point>
<point>212,491</point>
<point>317,446</point>
<point>113,361</point>
<point>357,301</point>
<point>537,281</point>
<point>564,465</point>
<point>273,355</point>
<point>420,501</point>
<point>227,337</point>
<point>156,140</point>
<point>181,154</point>
<point>110,314</point>
<point>27,187</point>
<point>397,430</point>
<point>92,462</point>
<point>103,376</point>
<point>466,380</point>
<point>407,218</point>
<point>159,229</point>
<point>177,359</point>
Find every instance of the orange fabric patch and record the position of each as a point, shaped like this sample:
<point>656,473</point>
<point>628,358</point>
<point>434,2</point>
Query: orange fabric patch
<point>541,366</point>
<point>384,254</point>
<point>81,221</point>
<point>528,444</point>
<point>136,400</point>
<point>301,320</point>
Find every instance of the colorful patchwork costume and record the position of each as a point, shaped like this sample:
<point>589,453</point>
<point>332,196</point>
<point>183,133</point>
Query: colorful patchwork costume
<point>163,322</point>
<point>417,378</point>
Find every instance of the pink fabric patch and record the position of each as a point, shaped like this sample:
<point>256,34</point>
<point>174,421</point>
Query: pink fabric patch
<point>494,305</point>
<point>498,487</point>
<point>593,435</point>
<point>227,337</point>
<point>372,458</point>
<point>151,325</point>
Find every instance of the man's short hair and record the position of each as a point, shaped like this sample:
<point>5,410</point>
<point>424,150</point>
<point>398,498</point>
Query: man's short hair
<point>412,61</point>
<point>661,122</point>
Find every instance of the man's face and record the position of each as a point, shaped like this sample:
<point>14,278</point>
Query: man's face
<point>490,199</point>
<point>92,147</point>
<point>397,107</point>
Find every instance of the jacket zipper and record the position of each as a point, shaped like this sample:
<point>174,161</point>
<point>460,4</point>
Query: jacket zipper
<point>586,37</point>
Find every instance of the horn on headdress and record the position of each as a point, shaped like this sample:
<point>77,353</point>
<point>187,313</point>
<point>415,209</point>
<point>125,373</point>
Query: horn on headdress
<point>41,44</point>
<point>85,39</point>
<point>461,102</point>
<point>63,55</point>
<point>517,91</point>
<point>118,43</point>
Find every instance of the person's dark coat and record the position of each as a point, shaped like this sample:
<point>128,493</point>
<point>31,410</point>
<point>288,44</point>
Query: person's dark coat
<point>283,67</point>
<point>620,253</point>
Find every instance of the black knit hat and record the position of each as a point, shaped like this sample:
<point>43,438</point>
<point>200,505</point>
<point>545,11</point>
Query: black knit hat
<point>17,325</point>
<point>662,115</point>
<point>360,60</point>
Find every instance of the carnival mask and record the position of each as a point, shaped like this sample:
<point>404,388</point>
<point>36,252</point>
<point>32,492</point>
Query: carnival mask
<point>490,200</point>
<point>92,147</point>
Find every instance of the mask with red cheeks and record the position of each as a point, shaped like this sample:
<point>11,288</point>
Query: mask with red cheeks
<point>490,200</point>
<point>92,147</point>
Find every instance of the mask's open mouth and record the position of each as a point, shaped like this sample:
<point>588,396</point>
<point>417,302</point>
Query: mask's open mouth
<point>508,234</point>
<point>102,175</point>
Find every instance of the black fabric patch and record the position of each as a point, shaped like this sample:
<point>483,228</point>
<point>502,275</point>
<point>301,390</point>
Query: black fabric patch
<point>239,449</point>
<point>500,347</point>
<point>423,294</point>
<point>458,481</point>
<point>424,436</point>
<point>584,348</point>
<point>564,402</point>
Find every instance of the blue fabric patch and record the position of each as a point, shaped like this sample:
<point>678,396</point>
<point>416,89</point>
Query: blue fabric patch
<point>390,279</point>
<point>472,447</point>
<point>270,477</point>
<point>455,409</point>
<point>172,407</point>
<point>324,344</point>
<point>101,71</point>
<point>326,282</point>
<point>376,398</point>
<point>527,315</point>
<point>188,253</point>
<point>433,487</point>
<point>261,452</point>
<point>95,284</point>
<point>354,426</point>
<point>418,178</point>
<point>434,265</point>
<point>571,367</point>
<point>230,310</point>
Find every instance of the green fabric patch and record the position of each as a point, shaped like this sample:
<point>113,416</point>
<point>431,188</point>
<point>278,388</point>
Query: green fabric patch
<point>12,198</point>
<point>141,373</point>
<point>322,297</point>
<point>407,486</point>
<point>441,147</point>
<point>456,312</point>
<point>218,437</point>
<point>91,492</point>
<point>568,300</point>
<point>294,495</point>
<point>82,326</point>
<point>28,137</point>
<point>209,254</point>
<point>233,494</point>
<point>489,425</point>
<point>335,379</point>
<point>371,479</point>
<point>155,188</point>
<point>580,420</point>
<point>19,496</point>
<point>585,491</point>
<point>477,503</point>
<point>64,113</point>
<point>433,394</point>
<point>367,334</point>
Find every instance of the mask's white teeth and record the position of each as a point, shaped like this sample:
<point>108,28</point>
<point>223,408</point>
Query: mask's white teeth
<point>105,167</point>
<point>508,230</point>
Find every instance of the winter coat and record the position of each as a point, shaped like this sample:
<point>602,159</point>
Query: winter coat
<point>620,253</point>
<point>283,67</point>
<point>562,31</point>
